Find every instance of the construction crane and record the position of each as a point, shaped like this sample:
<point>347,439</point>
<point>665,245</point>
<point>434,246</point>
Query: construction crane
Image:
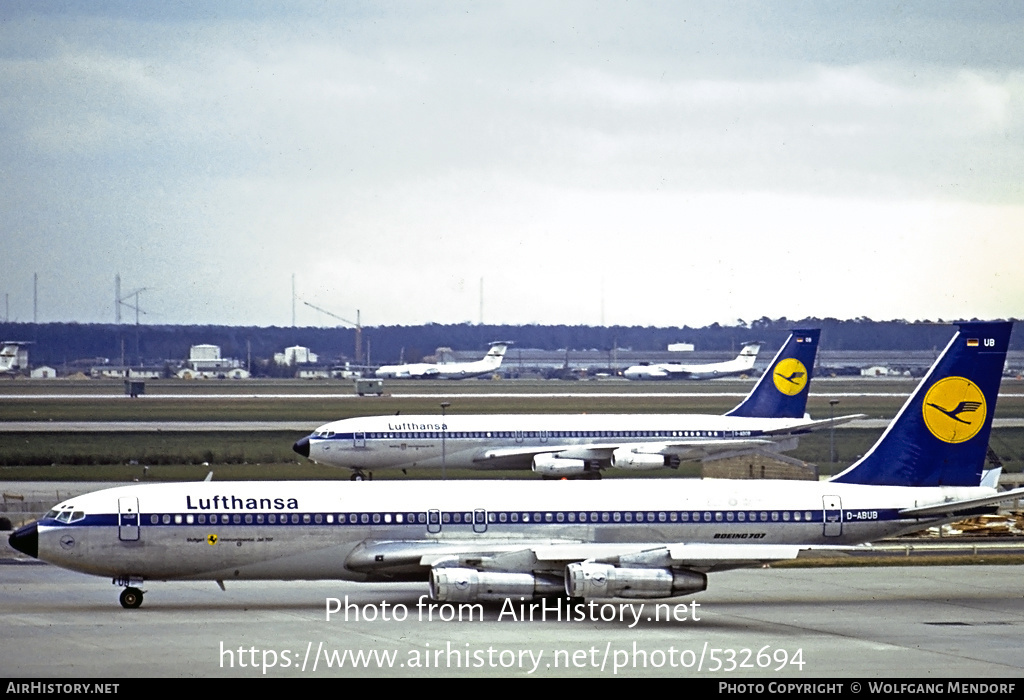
<point>358,326</point>
<point>122,300</point>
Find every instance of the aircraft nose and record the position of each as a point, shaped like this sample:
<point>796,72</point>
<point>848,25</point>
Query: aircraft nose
<point>26,540</point>
<point>302,447</point>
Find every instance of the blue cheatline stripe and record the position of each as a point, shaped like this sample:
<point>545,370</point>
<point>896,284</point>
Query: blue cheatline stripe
<point>502,518</point>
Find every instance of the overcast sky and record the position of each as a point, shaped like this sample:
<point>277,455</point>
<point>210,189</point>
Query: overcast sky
<point>636,163</point>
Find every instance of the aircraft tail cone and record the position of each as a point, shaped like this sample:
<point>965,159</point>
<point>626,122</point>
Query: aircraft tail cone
<point>26,540</point>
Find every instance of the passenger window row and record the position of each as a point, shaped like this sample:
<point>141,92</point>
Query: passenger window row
<point>468,518</point>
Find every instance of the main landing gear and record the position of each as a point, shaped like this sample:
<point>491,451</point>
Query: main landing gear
<point>360,475</point>
<point>131,598</point>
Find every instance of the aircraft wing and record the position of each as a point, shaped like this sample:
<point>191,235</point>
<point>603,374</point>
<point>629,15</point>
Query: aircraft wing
<point>394,559</point>
<point>963,506</point>
<point>676,371</point>
<point>694,449</point>
<point>513,456</point>
<point>697,556</point>
<point>811,425</point>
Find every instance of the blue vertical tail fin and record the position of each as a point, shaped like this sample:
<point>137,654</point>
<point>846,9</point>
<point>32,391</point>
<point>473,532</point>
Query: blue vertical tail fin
<point>940,436</point>
<point>782,390</point>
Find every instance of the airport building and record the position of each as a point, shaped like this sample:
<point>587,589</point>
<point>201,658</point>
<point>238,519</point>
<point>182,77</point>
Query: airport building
<point>205,362</point>
<point>296,355</point>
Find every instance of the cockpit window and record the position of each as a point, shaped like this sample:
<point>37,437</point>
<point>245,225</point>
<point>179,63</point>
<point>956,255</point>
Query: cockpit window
<point>64,516</point>
<point>76,516</point>
<point>51,514</point>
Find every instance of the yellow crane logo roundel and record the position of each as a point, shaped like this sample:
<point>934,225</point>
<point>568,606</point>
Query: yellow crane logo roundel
<point>790,376</point>
<point>954,409</point>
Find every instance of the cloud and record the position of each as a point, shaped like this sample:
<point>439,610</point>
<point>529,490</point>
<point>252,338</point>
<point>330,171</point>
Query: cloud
<point>656,161</point>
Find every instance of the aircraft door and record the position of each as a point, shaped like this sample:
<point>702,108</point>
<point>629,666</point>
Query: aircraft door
<point>434,520</point>
<point>518,436</point>
<point>128,519</point>
<point>479,520</point>
<point>358,439</point>
<point>833,510</point>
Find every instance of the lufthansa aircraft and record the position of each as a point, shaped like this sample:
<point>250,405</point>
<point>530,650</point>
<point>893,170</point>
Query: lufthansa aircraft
<point>741,364</point>
<point>449,370</point>
<point>578,446</point>
<point>484,540</point>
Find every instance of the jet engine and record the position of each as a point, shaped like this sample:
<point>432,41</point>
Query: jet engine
<point>593,580</point>
<point>625,458</point>
<point>550,465</point>
<point>461,585</point>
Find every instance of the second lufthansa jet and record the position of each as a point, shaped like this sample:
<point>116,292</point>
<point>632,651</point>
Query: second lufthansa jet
<point>578,446</point>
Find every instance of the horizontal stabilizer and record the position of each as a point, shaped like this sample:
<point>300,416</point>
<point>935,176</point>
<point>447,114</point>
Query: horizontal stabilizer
<point>815,424</point>
<point>990,477</point>
<point>955,507</point>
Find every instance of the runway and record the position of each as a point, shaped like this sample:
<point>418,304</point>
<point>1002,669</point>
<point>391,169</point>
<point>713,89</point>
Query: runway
<point>962,623</point>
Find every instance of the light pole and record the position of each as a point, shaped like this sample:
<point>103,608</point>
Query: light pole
<point>832,430</point>
<point>444,449</point>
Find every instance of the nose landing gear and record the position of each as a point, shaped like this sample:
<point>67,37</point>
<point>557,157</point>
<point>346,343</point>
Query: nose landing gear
<point>131,598</point>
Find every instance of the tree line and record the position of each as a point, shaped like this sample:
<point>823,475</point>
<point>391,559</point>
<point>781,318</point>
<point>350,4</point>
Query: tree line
<point>61,344</point>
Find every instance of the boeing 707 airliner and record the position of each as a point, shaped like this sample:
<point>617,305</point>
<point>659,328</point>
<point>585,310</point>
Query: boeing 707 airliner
<point>579,446</point>
<point>486,540</point>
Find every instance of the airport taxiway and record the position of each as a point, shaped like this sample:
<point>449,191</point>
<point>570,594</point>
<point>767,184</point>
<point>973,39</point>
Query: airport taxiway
<point>962,622</point>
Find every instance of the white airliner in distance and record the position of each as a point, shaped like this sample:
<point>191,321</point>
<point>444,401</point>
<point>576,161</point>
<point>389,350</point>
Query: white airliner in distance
<point>741,364</point>
<point>12,357</point>
<point>579,446</point>
<point>449,370</point>
<point>484,540</point>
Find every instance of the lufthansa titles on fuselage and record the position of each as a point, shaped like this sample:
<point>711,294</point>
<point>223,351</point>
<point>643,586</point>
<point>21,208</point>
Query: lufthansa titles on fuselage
<point>417,426</point>
<point>235,503</point>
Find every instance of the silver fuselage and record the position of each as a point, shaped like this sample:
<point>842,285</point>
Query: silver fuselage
<point>317,530</point>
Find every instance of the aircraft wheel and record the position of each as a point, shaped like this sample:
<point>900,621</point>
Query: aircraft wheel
<point>131,598</point>
<point>357,476</point>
